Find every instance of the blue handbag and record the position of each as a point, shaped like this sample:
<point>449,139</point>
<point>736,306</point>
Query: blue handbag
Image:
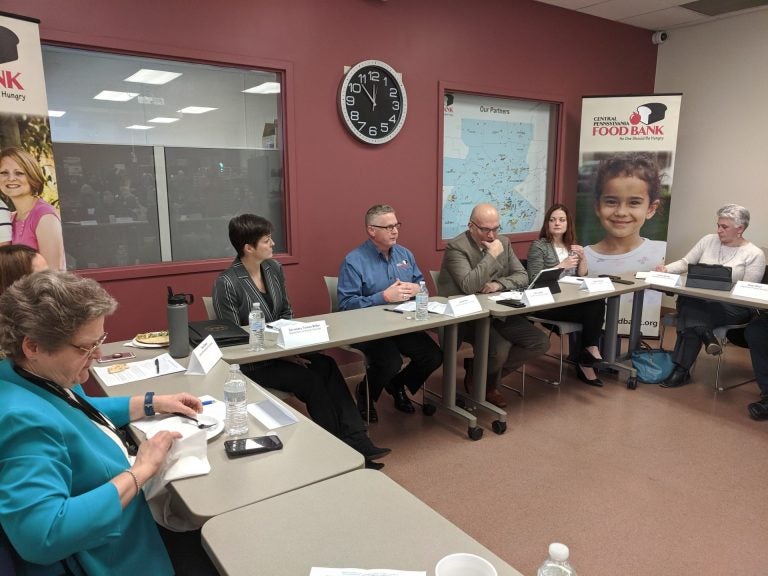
<point>653,365</point>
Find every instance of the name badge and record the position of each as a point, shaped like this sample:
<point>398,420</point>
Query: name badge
<point>663,279</point>
<point>204,357</point>
<point>462,306</point>
<point>303,334</point>
<point>592,285</point>
<point>537,296</point>
<point>750,290</point>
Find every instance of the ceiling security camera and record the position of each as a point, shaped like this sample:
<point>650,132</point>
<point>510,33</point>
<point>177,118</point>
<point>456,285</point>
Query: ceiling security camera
<point>659,37</point>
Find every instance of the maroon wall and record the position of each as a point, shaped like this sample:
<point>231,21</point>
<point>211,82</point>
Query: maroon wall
<point>513,46</point>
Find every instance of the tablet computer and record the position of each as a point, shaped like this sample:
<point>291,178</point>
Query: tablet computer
<point>547,278</point>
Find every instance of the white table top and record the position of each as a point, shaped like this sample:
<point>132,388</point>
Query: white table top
<point>357,520</point>
<point>310,454</point>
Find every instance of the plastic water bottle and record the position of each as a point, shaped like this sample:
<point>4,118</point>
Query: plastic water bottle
<point>256,322</point>
<point>422,301</point>
<point>557,563</point>
<point>236,419</point>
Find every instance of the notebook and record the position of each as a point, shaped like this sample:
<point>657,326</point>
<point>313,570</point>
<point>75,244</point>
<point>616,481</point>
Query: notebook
<point>712,276</point>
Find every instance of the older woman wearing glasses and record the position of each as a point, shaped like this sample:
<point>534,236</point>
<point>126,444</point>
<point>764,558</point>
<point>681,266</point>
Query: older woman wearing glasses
<point>71,499</point>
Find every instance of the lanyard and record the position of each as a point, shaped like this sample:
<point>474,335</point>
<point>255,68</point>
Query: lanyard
<point>76,401</point>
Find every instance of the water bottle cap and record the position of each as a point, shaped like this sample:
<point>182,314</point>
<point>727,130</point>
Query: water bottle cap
<point>558,552</point>
<point>236,367</point>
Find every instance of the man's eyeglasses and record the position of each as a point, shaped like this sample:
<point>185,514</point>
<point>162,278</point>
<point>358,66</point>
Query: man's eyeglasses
<point>485,230</point>
<point>92,349</point>
<point>389,228</point>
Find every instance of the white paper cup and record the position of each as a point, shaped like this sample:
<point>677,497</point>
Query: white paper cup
<point>464,565</point>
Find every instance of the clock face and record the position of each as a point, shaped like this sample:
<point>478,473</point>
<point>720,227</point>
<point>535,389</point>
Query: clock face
<point>372,101</point>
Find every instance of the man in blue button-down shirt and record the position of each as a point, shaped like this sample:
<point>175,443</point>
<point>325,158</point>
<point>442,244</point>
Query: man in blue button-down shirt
<point>380,271</point>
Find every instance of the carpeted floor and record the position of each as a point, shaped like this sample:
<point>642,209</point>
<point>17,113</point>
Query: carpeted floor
<point>650,481</point>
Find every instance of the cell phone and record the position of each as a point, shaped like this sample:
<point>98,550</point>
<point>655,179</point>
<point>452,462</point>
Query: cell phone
<point>616,279</point>
<point>115,356</point>
<point>245,446</point>
<point>512,303</point>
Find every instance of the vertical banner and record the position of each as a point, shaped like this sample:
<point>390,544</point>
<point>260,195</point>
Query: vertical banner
<point>624,190</point>
<point>25,140</point>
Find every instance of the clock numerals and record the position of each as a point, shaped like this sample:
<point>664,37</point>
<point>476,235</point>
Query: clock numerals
<point>373,102</point>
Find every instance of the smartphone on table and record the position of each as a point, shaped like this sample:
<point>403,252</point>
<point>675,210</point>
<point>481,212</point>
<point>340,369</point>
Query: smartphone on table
<point>255,445</point>
<point>116,356</point>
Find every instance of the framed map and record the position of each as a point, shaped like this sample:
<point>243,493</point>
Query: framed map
<point>497,150</point>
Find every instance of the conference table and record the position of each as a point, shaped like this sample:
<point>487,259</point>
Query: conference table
<point>571,294</point>
<point>375,322</point>
<point>361,519</point>
<point>309,454</point>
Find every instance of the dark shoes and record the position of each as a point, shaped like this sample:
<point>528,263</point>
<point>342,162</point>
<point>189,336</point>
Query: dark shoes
<point>493,396</point>
<point>583,377</point>
<point>371,465</point>
<point>759,410</point>
<point>711,344</point>
<point>586,359</point>
<point>679,377</point>
<point>367,411</point>
<point>402,402</point>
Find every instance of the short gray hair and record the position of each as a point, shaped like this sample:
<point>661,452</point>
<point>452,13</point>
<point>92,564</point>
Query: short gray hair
<point>738,214</point>
<point>49,307</point>
<point>377,210</point>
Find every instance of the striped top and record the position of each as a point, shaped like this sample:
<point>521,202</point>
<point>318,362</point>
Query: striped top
<point>5,223</point>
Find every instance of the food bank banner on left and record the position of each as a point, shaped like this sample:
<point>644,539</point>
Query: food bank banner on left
<point>624,189</point>
<point>23,102</point>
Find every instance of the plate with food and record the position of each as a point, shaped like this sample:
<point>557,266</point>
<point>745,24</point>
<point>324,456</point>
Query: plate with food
<point>151,339</point>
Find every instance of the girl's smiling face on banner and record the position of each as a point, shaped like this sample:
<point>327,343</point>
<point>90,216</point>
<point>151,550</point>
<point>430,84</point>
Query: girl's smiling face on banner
<point>624,206</point>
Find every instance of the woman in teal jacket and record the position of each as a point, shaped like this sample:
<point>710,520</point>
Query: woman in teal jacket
<point>70,493</point>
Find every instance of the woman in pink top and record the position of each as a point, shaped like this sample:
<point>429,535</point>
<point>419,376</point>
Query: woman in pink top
<point>35,223</point>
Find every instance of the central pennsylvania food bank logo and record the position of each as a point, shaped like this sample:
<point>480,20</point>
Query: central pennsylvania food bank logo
<point>648,114</point>
<point>9,52</point>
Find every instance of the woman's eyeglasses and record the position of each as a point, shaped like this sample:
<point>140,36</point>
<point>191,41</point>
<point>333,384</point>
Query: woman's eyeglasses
<point>92,349</point>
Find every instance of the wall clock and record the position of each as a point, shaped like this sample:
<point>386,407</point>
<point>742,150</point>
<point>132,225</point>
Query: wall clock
<point>372,101</point>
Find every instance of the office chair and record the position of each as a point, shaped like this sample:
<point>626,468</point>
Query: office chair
<point>331,283</point>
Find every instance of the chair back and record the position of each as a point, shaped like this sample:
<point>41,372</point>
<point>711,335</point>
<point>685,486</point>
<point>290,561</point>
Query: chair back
<point>435,274</point>
<point>331,283</point>
<point>208,303</point>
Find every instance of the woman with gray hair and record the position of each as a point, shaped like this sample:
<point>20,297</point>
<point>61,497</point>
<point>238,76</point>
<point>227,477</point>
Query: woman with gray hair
<point>71,499</point>
<point>696,317</point>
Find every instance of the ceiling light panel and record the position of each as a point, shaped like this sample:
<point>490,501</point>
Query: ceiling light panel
<point>147,76</point>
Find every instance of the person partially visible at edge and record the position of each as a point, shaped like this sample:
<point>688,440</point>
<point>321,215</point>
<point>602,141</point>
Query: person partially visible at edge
<point>557,248</point>
<point>6,228</point>
<point>480,261</point>
<point>16,261</point>
<point>35,223</point>
<point>377,272</point>
<point>757,338</point>
<point>315,379</point>
<point>71,499</point>
<point>696,318</point>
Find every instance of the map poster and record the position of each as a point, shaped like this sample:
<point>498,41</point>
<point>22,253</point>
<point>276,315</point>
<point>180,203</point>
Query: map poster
<point>624,189</point>
<point>501,151</point>
<point>23,103</point>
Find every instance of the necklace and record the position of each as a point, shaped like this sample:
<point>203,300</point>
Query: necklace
<point>727,253</point>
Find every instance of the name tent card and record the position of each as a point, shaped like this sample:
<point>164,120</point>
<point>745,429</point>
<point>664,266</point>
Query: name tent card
<point>538,296</point>
<point>663,279</point>
<point>204,356</point>
<point>462,306</point>
<point>303,334</point>
<point>751,290</point>
<point>592,285</point>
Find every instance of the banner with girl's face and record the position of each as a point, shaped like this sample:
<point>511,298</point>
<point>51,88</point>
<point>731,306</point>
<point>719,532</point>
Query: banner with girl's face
<point>624,190</point>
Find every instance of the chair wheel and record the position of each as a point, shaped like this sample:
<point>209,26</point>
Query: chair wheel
<point>475,433</point>
<point>428,409</point>
<point>631,383</point>
<point>498,426</point>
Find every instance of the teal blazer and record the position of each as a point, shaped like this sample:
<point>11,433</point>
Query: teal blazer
<point>56,501</point>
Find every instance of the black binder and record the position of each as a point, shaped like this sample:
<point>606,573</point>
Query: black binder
<point>225,333</point>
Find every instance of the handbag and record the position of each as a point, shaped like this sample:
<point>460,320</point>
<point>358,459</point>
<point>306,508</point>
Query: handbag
<point>653,365</point>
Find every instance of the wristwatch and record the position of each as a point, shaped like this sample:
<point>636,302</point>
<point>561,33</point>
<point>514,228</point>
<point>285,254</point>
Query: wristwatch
<point>149,404</point>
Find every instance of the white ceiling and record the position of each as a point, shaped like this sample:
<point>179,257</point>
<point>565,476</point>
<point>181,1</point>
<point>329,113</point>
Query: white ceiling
<point>650,14</point>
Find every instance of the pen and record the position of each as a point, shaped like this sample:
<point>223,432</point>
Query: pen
<point>207,402</point>
<point>393,310</point>
<point>157,365</point>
